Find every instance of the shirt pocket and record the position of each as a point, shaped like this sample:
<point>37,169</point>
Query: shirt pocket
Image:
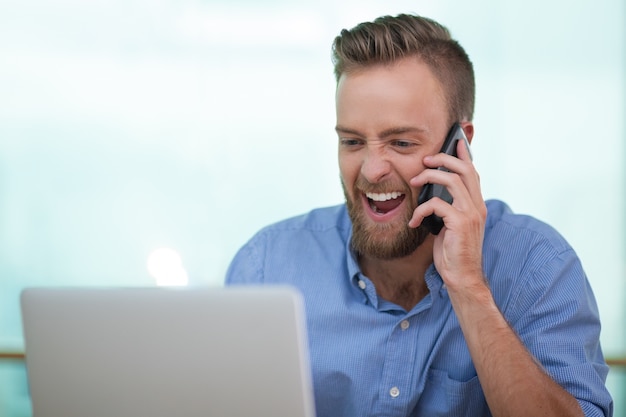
<point>444,396</point>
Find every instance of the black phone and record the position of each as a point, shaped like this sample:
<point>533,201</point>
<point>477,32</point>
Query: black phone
<point>433,222</point>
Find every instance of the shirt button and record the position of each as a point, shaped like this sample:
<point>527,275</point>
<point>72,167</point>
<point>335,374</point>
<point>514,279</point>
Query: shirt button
<point>362,284</point>
<point>404,324</point>
<point>394,392</point>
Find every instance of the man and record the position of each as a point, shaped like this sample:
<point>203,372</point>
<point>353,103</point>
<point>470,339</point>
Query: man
<point>491,316</point>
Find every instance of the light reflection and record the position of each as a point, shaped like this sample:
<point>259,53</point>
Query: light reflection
<point>166,267</point>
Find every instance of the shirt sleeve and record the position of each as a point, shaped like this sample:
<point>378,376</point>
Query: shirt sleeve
<point>555,314</point>
<point>247,265</point>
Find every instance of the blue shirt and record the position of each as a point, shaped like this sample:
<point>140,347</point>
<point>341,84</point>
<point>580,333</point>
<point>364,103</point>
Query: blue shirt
<point>370,357</point>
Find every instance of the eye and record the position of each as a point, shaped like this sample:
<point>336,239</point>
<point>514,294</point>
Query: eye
<point>399,143</point>
<point>350,142</point>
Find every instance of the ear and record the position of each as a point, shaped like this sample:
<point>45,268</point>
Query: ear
<point>468,129</point>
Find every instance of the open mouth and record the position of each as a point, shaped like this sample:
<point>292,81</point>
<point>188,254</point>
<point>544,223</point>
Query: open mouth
<point>382,203</point>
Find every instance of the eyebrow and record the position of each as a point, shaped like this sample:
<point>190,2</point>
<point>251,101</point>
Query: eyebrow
<point>385,133</point>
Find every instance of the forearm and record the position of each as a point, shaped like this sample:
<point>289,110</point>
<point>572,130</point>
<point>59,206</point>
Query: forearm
<point>513,382</point>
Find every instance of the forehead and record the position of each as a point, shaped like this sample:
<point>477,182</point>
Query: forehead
<point>405,92</point>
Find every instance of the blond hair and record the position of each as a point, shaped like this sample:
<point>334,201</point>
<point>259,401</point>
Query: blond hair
<point>392,38</point>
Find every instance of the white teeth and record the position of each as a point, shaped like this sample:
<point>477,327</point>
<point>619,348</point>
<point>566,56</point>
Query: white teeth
<point>383,196</point>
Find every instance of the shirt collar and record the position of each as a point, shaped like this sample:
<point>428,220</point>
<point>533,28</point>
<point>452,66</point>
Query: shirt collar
<point>434,282</point>
<point>351,260</point>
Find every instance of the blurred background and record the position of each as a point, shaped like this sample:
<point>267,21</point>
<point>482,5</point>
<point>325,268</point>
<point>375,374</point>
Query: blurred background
<point>143,142</point>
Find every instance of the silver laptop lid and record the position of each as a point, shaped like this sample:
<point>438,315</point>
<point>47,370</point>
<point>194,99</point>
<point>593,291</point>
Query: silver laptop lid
<point>166,352</point>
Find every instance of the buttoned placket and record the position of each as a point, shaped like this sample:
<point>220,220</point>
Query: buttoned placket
<point>398,368</point>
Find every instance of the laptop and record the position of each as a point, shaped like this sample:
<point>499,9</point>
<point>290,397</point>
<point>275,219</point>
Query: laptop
<point>163,352</point>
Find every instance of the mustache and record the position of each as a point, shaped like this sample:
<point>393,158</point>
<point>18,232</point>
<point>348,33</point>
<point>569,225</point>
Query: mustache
<point>365,186</point>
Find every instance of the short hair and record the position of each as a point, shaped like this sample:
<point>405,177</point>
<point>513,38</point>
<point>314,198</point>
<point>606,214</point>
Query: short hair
<point>391,38</point>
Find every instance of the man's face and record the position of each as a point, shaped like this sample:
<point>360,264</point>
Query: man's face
<point>388,119</point>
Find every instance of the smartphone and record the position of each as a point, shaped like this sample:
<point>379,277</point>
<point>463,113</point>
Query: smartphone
<point>433,222</point>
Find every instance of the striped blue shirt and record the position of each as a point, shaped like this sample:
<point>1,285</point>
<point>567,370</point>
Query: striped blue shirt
<point>370,357</point>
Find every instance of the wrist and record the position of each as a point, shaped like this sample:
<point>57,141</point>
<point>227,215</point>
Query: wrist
<point>474,304</point>
<point>469,288</point>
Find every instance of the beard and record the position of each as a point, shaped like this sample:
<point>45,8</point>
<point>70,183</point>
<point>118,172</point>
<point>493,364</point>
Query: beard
<point>381,240</point>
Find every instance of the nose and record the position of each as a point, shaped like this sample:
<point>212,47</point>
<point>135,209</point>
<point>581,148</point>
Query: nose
<point>375,166</point>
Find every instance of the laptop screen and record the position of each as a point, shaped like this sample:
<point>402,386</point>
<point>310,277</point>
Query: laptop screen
<point>167,352</point>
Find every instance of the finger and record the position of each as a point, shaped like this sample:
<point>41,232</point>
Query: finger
<point>464,168</point>
<point>463,151</point>
<point>464,203</point>
<point>433,206</point>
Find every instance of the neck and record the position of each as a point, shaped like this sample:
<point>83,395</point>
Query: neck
<point>400,280</point>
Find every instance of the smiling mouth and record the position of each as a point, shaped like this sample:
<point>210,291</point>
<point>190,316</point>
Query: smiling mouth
<point>382,203</point>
